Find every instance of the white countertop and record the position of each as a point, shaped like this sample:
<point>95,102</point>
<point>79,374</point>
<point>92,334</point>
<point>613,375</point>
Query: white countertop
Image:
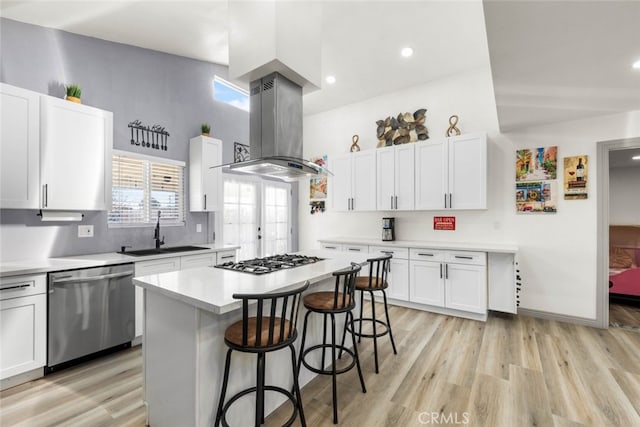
<point>467,246</point>
<point>212,289</point>
<point>36,266</point>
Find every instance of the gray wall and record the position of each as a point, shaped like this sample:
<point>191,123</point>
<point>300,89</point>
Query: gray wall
<point>133,83</point>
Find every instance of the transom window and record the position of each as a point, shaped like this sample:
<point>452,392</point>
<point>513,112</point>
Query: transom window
<point>229,93</point>
<point>142,186</point>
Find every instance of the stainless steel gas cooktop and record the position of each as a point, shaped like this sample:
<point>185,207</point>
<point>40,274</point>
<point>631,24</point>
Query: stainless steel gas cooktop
<point>269,264</point>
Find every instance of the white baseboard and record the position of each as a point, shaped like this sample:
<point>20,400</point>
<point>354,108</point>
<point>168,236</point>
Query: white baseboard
<point>559,317</point>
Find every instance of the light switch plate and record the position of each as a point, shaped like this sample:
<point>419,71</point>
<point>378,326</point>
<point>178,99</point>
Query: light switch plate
<point>198,228</point>
<point>85,231</point>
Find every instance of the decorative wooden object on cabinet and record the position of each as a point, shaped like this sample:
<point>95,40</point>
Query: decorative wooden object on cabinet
<point>395,178</point>
<point>23,324</point>
<point>75,156</point>
<point>451,173</point>
<point>205,183</point>
<point>353,181</point>
<point>19,148</point>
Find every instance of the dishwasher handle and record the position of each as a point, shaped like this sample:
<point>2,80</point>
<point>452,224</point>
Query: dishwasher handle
<point>92,278</point>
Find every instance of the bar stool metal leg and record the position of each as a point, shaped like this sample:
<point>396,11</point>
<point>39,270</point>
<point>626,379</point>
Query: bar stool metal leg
<point>386,312</point>
<point>360,321</point>
<point>375,335</point>
<point>225,381</point>
<point>355,351</point>
<point>260,390</point>
<point>296,385</point>
<point>333,368</point>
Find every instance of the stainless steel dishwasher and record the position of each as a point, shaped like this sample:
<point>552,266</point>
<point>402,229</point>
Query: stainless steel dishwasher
<point>90,310</point>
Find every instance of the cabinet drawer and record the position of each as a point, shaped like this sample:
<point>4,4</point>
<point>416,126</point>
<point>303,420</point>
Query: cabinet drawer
<point>356,248</point>
<point>157,266</point>
<point>22,286</point>
<point>195,261</point>
<point>226,256</point>
<point>427,254</point>
<point>465,257</point>
<point>398,253</point>
<point>332,246</point>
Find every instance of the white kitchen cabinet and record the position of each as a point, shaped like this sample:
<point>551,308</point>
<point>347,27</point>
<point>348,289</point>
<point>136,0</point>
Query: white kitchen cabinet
<point>353,184</point>
<point>197,260</point>
<point>225,256</point>
<point>145,268</point>
<point>455,280</point>
<point>395,178</point>
<point>502,278</point>
<point>75,155</point>
<point>398,275</point>
<point>19,148</point>
<point>205,183</point>
<point>451,173</point>
<point>23,324</point>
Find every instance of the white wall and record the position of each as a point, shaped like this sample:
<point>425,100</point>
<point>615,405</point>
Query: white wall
<point>624,196</point>
<point>557,251</point>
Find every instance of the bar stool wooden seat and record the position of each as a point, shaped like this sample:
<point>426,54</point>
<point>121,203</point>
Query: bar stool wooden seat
<point>271,329</point>
<point>330,303</point>
<point>375,282</point>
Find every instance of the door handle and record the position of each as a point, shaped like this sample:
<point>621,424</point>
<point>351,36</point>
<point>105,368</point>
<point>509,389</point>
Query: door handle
<point>441,271</point>
<point>353,203</point>
<point>92,278</point>
<point>446,271</point>
<point>391,202</point>
<point>425,254</point>
<point>464,257</point>
<point>21,286</point>
<point>205,202</point>
<point>450,204</point>
<point>46,195</point>
<point>445,200</point>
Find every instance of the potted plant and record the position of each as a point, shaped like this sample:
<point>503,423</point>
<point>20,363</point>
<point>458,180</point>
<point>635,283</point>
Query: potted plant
<point>74,93</point>
<point>205,129</point>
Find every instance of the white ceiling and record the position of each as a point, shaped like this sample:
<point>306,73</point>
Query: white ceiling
<point>551,61</point>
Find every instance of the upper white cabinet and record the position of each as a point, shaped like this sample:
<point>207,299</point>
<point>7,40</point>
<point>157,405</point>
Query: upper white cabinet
<point>451,173</point>
<point>353,184</point>
<point>75,155</point>
<point>395,177</point>
<point>19,148</point>
<point>205,183</point>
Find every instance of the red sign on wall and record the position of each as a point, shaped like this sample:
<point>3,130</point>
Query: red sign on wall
<point>444,222</point>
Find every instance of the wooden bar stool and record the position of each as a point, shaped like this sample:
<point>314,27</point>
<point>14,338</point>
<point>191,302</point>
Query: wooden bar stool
<point>329,303</point>
<point>375,282</point>
<point>272,328</point>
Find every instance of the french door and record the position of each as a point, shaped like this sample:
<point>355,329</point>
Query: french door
<point>257,216</point>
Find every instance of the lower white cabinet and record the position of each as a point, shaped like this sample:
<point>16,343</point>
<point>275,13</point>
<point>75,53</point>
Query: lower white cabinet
<point>454,280</point>
<point>398,275</point>
<point>23,324</point>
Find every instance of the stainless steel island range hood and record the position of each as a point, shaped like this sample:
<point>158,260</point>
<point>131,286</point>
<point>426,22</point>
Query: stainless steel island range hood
<point>276,131</point>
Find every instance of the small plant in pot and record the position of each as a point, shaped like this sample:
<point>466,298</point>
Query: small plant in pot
<point>205,128</point>
<point>74,93</point>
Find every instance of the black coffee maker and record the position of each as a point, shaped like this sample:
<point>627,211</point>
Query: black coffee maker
<point>388,231</point>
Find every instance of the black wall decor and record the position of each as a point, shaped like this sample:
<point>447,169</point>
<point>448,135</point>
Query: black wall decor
<point>156,135</point>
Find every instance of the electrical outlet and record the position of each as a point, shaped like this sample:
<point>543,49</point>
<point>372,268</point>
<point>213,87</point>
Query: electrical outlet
<point>198,228</point>
<point>85,231</point>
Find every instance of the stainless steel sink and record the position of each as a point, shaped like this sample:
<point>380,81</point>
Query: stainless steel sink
<point>153,251</point>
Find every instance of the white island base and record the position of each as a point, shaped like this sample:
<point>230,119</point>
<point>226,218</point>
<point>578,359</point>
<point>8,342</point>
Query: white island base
<point>184,352</point>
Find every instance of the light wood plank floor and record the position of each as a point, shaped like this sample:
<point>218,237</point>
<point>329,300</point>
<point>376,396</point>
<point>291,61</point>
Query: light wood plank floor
<point>509,371</point>
<point>625,316</point>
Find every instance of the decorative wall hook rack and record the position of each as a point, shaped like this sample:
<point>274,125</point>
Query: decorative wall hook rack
<point>156,135</point>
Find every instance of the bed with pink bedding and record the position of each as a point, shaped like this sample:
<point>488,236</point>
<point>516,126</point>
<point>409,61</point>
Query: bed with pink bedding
<point>624,263</point>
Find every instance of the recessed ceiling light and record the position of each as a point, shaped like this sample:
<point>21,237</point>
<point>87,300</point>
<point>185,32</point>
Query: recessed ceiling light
<point>636,65</point>
<point>406,52</point>
<point>331,79</point>
<point>635,158</point>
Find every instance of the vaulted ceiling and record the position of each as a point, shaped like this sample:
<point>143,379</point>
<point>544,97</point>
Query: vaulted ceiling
<point>551,61</point>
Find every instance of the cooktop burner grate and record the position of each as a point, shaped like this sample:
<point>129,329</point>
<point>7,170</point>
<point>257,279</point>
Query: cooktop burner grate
<point>269,264</point>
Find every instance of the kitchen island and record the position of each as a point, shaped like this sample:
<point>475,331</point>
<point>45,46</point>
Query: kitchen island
<point>186,314</point>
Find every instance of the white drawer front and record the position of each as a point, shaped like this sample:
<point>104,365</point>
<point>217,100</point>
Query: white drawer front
<point>427,254</point>
<point>22,286</point>
<point>226,256</point>
<point>356,248</point>
<point>157,266</point>
<point>466,257</point>
<point>195,261</point>
<point>397,253</point>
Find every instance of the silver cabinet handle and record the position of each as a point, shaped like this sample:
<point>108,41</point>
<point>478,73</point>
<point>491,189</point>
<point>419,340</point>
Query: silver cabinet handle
<point>441,271</point>
<point>419,254</point>
<point>353,203</point>
<point>396,198</point>
<point>446,271</point>
<point>387,252</point>
<point>391,202</point>
<point>330,247</point>
<point>227,256</point>
<point>45,202</point>
<point>20,286</point>
<point>450,204</point>
<point>445,200</point>
<point>93,278</point>
<point>464,257</point>
<point>355,249</point>
<point>205,202</point>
